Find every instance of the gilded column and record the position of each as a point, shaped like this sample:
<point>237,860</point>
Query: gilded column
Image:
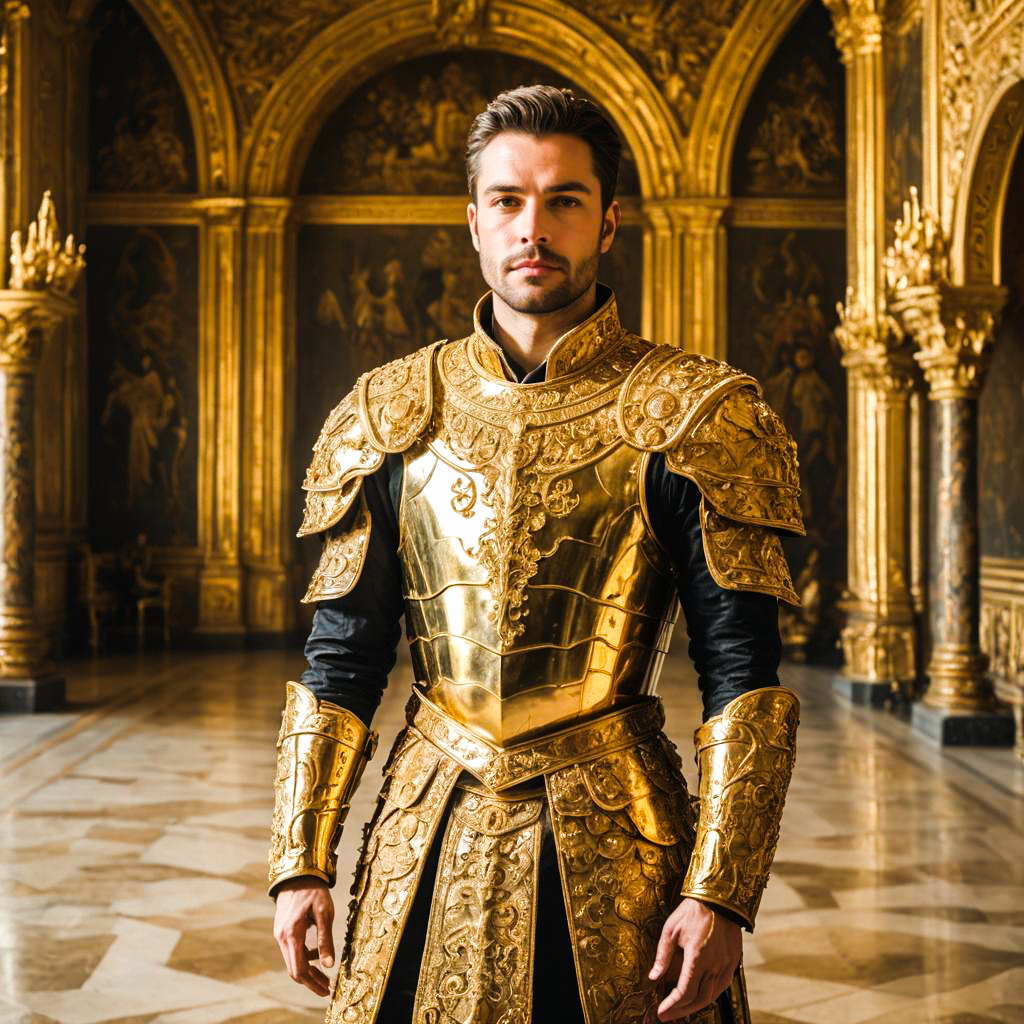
<point>266,483</point>
<point>705,276</point>
<point>220,578</point>
<point>879,637</point>
<point>42,274</point>
<point>663,271</point>
<point>952,327</point>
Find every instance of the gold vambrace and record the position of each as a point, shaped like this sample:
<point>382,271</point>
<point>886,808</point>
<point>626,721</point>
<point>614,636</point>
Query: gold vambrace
<point>321,752</point>
<point>745,756</point>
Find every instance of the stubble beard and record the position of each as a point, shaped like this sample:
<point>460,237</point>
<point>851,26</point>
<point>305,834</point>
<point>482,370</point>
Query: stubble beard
<point>531,295</point>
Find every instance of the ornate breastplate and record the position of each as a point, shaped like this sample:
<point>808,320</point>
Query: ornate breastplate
<point>535,591</point>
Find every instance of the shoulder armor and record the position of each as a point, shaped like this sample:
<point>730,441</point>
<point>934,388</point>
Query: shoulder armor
<point>385,412</point>
<point>715,428</point>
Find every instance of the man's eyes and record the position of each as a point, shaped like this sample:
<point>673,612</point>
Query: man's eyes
<point>565,202</point>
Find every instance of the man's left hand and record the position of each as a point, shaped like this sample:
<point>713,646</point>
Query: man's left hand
<point>704,948</point>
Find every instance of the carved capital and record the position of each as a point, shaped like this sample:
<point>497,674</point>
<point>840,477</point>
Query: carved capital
<point>858,25</point>
<point>42,261</point>
<point>26,320</point>
<point>874,345</point>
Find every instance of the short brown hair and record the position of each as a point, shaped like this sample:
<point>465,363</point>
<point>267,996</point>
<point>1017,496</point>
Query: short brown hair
<point>544,110</point>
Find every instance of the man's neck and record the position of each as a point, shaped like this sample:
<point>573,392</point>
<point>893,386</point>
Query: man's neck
<point>527,338</point>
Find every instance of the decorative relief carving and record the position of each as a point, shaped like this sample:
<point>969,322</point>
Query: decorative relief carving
<point>258,39</point>
<point>676,43</point>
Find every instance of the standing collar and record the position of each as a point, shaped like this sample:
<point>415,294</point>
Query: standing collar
<point>573,350</point>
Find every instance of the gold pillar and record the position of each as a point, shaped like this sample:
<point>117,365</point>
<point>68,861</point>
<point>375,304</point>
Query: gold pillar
<point>270,605</point>
<point>42,274</point>
<point>220,578</point>
<point>705,277</point>
<point>952,327</point>
<point>663,271</point>
<point>879,638</point>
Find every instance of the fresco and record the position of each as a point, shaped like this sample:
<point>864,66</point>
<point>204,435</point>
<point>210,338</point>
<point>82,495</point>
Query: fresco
<point>140,136</point>
<point>143,385</point>
<point>403,132</point>
<point>1001,406</point>
<point>791,140</point>
<point>783,288</point>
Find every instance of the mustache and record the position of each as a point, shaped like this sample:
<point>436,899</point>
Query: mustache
<point>536,252</point>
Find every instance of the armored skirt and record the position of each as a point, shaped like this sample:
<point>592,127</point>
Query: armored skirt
<point>483,869</point>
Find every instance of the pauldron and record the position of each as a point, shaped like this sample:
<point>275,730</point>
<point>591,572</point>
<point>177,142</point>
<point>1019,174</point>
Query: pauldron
<point>714,427</point>
<point>386,411</point>
<point>745,756</point>
<point>322,750</point>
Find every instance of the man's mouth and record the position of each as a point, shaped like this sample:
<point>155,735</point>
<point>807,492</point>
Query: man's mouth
<point>534,265</point>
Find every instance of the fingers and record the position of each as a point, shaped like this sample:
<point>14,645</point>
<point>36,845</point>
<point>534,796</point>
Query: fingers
<point>290,925</point>
<point>709,987</point>
<point>667,948</point>
<point>323,915</point>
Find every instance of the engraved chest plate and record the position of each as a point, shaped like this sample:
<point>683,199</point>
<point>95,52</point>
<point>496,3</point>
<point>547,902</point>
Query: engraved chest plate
<point>535,592</point>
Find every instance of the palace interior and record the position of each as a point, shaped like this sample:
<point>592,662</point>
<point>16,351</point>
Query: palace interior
<point>828,194</point>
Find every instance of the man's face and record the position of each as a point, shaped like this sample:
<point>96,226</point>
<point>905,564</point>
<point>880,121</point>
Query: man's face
<point>537,220</point>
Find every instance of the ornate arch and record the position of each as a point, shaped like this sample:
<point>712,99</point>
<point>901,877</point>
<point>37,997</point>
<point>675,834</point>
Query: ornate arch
<point>187,47</point>
<point>730,81</point>
<point>978,212</point>
<point>542,30</point>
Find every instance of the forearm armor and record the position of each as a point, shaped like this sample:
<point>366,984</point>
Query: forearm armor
<point>321,752</point>
<point>745,757</point>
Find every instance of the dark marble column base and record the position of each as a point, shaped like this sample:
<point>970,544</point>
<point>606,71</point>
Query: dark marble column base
<point>42,693</point>
<point>964,728</point>
<point>872,695</point>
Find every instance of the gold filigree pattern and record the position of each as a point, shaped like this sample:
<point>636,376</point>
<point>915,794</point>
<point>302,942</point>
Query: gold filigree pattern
<point>478,959</point>
<point>746,756</point>
<point>419,780</point>
<point>321,752</point>
<point>525,441</point>
<point>742,556</point>
<point>619,883</point>
<point>744,462</point>
<point>344,553</point>
<point>386,411</point>
<point>500,768</point>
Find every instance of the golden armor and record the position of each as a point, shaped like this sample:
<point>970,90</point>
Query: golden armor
<point>321,752</point>
<point>539,606</point>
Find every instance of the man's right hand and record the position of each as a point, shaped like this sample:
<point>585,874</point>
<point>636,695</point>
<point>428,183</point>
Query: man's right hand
<point>302,902</point>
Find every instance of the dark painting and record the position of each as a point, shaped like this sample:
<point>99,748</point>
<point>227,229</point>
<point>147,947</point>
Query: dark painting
<point>143,384</point>
<point>783,289</point>
<point>404,131</point>
<point>367,295</point>
<point>903,114</point>
<point>140,136</point>
<point>1001,407</point>
<point>792,138</point>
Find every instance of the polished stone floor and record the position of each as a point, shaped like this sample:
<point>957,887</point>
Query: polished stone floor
<point>133,838</point>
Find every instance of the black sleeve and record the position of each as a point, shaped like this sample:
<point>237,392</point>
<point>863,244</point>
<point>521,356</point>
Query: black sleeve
<point>351,647</point>
<point>734,634</point>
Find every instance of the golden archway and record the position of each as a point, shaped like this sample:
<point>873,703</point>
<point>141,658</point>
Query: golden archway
<point>551,33</point>
<point>729,84</point>
<point>187,47</point>
<point>976,241</point>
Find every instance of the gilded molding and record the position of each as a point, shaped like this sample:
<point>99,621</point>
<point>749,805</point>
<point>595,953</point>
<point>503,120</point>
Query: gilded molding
<point>766,212</point>
<point>746,756</point>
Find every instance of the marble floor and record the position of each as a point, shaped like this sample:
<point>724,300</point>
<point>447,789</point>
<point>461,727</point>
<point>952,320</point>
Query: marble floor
<point>133,841</point>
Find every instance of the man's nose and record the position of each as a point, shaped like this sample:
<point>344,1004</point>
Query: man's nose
<point>533,226</point>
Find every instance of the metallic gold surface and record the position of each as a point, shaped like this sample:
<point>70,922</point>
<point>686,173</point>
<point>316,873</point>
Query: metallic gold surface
<point>344,553</point>
<point>522,506</point>
<point>1002,632</point>
<point>478,958</point>
<point>746,756</point>
<point>322,750</point>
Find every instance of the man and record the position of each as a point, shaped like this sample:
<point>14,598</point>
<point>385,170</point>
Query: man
<point>535,497</point>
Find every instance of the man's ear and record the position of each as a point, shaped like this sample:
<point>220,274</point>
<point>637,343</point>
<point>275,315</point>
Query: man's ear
<point>610,225</point>
<point>471,218</point>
